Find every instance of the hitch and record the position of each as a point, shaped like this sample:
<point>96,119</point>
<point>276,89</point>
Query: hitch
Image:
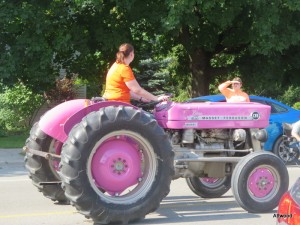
<point>210,159</point>
<point>45,155</point>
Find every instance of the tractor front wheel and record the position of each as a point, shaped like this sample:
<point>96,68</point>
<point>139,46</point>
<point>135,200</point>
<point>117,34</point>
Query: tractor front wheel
<point>258,182</point>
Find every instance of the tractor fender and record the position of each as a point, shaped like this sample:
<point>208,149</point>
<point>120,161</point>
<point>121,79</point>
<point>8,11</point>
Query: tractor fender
<point>58,121</point>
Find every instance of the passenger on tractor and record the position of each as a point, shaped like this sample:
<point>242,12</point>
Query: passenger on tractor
<point>121,84</point>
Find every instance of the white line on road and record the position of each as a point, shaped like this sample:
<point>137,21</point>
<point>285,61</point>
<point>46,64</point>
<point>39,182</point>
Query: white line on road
<point>38,214</point>
<point>13,180</point>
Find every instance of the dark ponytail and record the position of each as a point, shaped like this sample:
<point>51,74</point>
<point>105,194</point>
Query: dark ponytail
<point>124,51</point>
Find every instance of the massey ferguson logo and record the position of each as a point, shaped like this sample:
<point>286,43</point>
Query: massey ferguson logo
<point>255,115</point>
<point>252,116</point>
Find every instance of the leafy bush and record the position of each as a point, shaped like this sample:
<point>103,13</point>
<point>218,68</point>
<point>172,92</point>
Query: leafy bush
<point>64,90</point>
<point>296,105</point>
<point>291,95</point>
<point>18,104</point>
<point>182,96</point>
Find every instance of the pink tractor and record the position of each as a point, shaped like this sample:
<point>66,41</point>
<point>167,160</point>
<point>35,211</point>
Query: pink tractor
<point>114,162</point>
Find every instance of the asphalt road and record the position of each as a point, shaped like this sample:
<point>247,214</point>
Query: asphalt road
<point>22,204</point>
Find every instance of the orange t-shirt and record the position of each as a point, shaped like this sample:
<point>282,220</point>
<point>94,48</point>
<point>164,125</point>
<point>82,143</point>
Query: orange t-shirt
<point>116,88</point>
<point>232,96</point>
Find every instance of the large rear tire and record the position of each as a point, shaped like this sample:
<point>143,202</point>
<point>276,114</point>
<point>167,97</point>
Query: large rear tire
<point>42,170</point>
<point>117,165</point>
<point>208,187</point>
<point>258,182</point>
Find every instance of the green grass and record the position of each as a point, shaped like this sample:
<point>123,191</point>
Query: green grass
<point>17,141</point>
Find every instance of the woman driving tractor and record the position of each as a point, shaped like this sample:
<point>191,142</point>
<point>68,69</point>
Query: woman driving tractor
<point>121,84</point>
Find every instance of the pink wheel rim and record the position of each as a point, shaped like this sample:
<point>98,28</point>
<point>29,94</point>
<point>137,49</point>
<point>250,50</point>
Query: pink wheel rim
<point>57,148</point>
<point>116,165</point>
<point>261,182</point>
<point>209,180</point>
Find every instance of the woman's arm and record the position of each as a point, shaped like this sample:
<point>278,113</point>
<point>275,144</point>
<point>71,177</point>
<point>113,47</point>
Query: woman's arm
<point>137,97</point>
<point>223,88</point>
<point>137,91</point>
<point>224,85</point>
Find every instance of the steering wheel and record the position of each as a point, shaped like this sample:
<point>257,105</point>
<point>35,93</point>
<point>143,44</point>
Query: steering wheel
<point>149,106</point>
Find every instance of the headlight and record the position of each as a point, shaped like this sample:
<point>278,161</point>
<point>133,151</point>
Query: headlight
<point>261,135</point>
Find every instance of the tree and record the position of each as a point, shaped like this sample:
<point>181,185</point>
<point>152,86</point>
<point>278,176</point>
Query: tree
<point>211,40</point>
<point>28,42</point>
<point>256,39</point>
<point>39,38</point>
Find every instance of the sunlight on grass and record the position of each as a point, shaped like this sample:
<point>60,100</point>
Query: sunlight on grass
<point>17,141</point>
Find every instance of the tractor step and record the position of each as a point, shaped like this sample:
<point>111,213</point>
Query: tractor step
<point>50,183</point>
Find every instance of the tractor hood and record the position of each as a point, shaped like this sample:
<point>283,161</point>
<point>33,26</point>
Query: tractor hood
<point>208,115</point>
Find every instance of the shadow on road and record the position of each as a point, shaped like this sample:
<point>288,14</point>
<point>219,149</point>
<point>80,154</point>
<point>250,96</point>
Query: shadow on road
<point>188,209</point>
